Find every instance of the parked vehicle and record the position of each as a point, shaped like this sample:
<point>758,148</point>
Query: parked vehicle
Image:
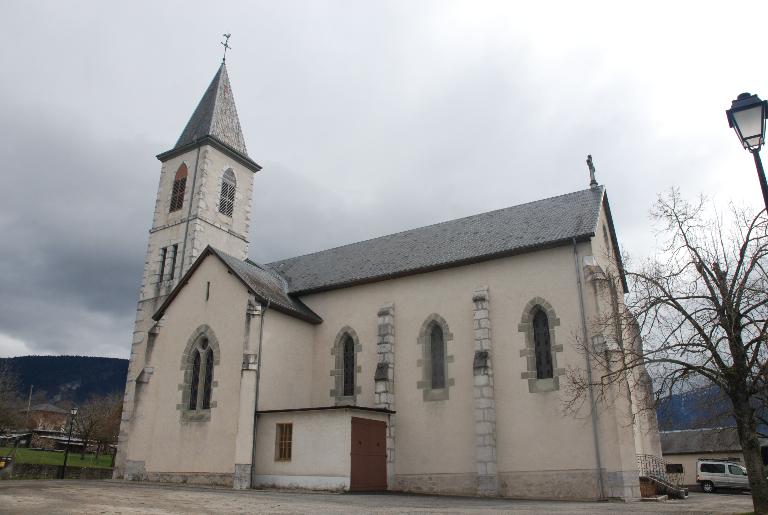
<point>712,474</point>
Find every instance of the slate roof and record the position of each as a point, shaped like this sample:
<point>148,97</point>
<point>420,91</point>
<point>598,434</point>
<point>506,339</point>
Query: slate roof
<point>48,407</point>
<point>263,282</point>
<point>216,116</point>
<point>720,439</point>
<point>548,222</point>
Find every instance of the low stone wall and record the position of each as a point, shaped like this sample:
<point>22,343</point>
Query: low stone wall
<point>31,471</point>
<point>447,484</point>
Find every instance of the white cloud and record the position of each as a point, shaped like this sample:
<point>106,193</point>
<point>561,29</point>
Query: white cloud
<point>10,347</point>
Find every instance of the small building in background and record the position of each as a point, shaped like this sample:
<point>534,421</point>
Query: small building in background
<point>47,417</point>
<point>682,448</point>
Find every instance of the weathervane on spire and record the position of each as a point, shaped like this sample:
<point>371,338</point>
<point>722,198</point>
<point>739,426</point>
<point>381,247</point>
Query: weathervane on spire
<point>592,180</point>
<point>225,43</point>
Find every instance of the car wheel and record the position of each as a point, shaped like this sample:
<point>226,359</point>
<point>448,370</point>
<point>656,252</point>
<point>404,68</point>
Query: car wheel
<point>708,487</point>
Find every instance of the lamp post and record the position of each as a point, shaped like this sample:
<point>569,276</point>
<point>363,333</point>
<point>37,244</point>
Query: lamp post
<point>73,413</point>
<point>747,117</point>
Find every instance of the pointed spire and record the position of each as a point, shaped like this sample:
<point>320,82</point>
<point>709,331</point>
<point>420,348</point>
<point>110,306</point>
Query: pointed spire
<point>216,116</point>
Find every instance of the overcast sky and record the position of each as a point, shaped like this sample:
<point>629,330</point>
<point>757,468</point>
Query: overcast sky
<point>368,118</point>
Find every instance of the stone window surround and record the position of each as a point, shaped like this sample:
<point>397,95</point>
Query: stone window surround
<point>187,360</point>
<point>536,385</point>
<point>337,351</point>
<point>425,363</point>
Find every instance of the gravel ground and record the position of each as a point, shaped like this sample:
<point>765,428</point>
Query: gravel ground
<point>52,497</point>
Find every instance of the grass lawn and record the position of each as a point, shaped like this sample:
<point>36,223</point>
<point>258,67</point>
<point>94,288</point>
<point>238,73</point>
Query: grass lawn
<point>57,458</point>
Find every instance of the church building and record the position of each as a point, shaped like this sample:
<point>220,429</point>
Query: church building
<point>430,360</point>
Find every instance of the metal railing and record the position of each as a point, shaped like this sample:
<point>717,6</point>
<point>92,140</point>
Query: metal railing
<point>649,465</point>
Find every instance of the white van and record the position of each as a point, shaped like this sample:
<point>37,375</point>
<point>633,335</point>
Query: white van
<point>713,474</point>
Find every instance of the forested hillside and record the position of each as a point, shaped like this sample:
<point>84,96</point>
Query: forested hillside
<point>68,378</point>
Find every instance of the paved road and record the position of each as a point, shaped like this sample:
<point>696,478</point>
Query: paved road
<point>107,497</point>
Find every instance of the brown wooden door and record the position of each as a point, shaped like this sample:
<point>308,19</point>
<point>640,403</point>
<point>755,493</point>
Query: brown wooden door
<point>369,455</point>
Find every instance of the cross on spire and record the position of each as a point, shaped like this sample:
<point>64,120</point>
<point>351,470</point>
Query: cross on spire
<point>225,43</point>
<point>592,180</point>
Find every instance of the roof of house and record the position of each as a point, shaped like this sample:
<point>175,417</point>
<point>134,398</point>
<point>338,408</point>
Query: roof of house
<point>688,441</point>
<point>216,116</point>
<point>522,228</point>
<point>48,407</point>
<point>267,286</point>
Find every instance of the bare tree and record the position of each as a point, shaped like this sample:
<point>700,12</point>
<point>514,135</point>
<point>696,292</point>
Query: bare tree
<point>110,408</point>
<point>98,419</point>
<point>11,416</point>
<point>696,316</point>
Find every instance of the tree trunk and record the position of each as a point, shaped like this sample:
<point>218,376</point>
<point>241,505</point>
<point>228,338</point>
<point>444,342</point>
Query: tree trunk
<point>753,459</point>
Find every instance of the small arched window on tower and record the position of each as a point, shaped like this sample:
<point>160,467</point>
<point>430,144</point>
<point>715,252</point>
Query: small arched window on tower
<point>542,345</point>
<point>179,187</point>
<point>227,198</point>
<point>202,376</point>
<point>348,351</point>
<point>437,357</point>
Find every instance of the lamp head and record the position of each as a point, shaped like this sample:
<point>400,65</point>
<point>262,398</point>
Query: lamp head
<point>747,117</point>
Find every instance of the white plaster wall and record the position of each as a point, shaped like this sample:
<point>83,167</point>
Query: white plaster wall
<point>321,445</point>
<point>438,436</point>
<point>160,437</point>
<point>286,362</point>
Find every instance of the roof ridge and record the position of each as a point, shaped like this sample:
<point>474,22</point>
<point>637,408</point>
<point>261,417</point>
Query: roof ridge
<point>601,187</point>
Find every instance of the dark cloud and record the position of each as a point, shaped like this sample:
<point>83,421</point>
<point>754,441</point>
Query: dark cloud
<point>368,118</point>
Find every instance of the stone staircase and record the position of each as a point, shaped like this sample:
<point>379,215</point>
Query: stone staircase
<point>653,473</point>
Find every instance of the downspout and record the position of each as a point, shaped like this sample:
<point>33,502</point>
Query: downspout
<point>256,401</point>
<point>189,214</point>
<point>592,402</point>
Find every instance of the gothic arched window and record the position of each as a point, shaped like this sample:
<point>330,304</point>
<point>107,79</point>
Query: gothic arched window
<point>437,357</point>
<point>201,382</point>
<point>435,340</point>
<point>349,367</point>
<point>179,187</point>
<point>227,198</point>
<point>346,367</point>
<point>542,345</point>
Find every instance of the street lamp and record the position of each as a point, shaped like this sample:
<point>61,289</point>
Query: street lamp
<point>747,117</point>
<point>73,413</point>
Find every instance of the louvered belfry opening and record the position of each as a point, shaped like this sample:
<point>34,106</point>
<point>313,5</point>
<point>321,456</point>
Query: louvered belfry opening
<point>227,197</point>
<point>179,188</point>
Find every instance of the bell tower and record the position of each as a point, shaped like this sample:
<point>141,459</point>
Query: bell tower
<point>203,198</point>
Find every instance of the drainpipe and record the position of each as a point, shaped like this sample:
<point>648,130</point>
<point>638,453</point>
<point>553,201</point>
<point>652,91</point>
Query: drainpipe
<point>189,214</point>
<point>592,402</point>
<point>256,401</point>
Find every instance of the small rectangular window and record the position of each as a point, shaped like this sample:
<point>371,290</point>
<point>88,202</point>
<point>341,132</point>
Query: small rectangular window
<point>674,468</point>
<point>172,271</point>
<point>283,442</point>
<point>207,291</point>
<point>163,253</point>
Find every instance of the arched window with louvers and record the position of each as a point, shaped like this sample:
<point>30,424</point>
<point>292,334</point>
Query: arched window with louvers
<point>178,189</point>
<point>227,197</point>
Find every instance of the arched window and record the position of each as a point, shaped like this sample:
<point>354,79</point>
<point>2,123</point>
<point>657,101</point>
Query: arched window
<point>179,187</point>
<point>542,345</point>
<point>227,198</point>
<point>346,367</point>
<point>349,367</point>
<point>201,382</point>
<point>437,357</point>
<point>435,340</point>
